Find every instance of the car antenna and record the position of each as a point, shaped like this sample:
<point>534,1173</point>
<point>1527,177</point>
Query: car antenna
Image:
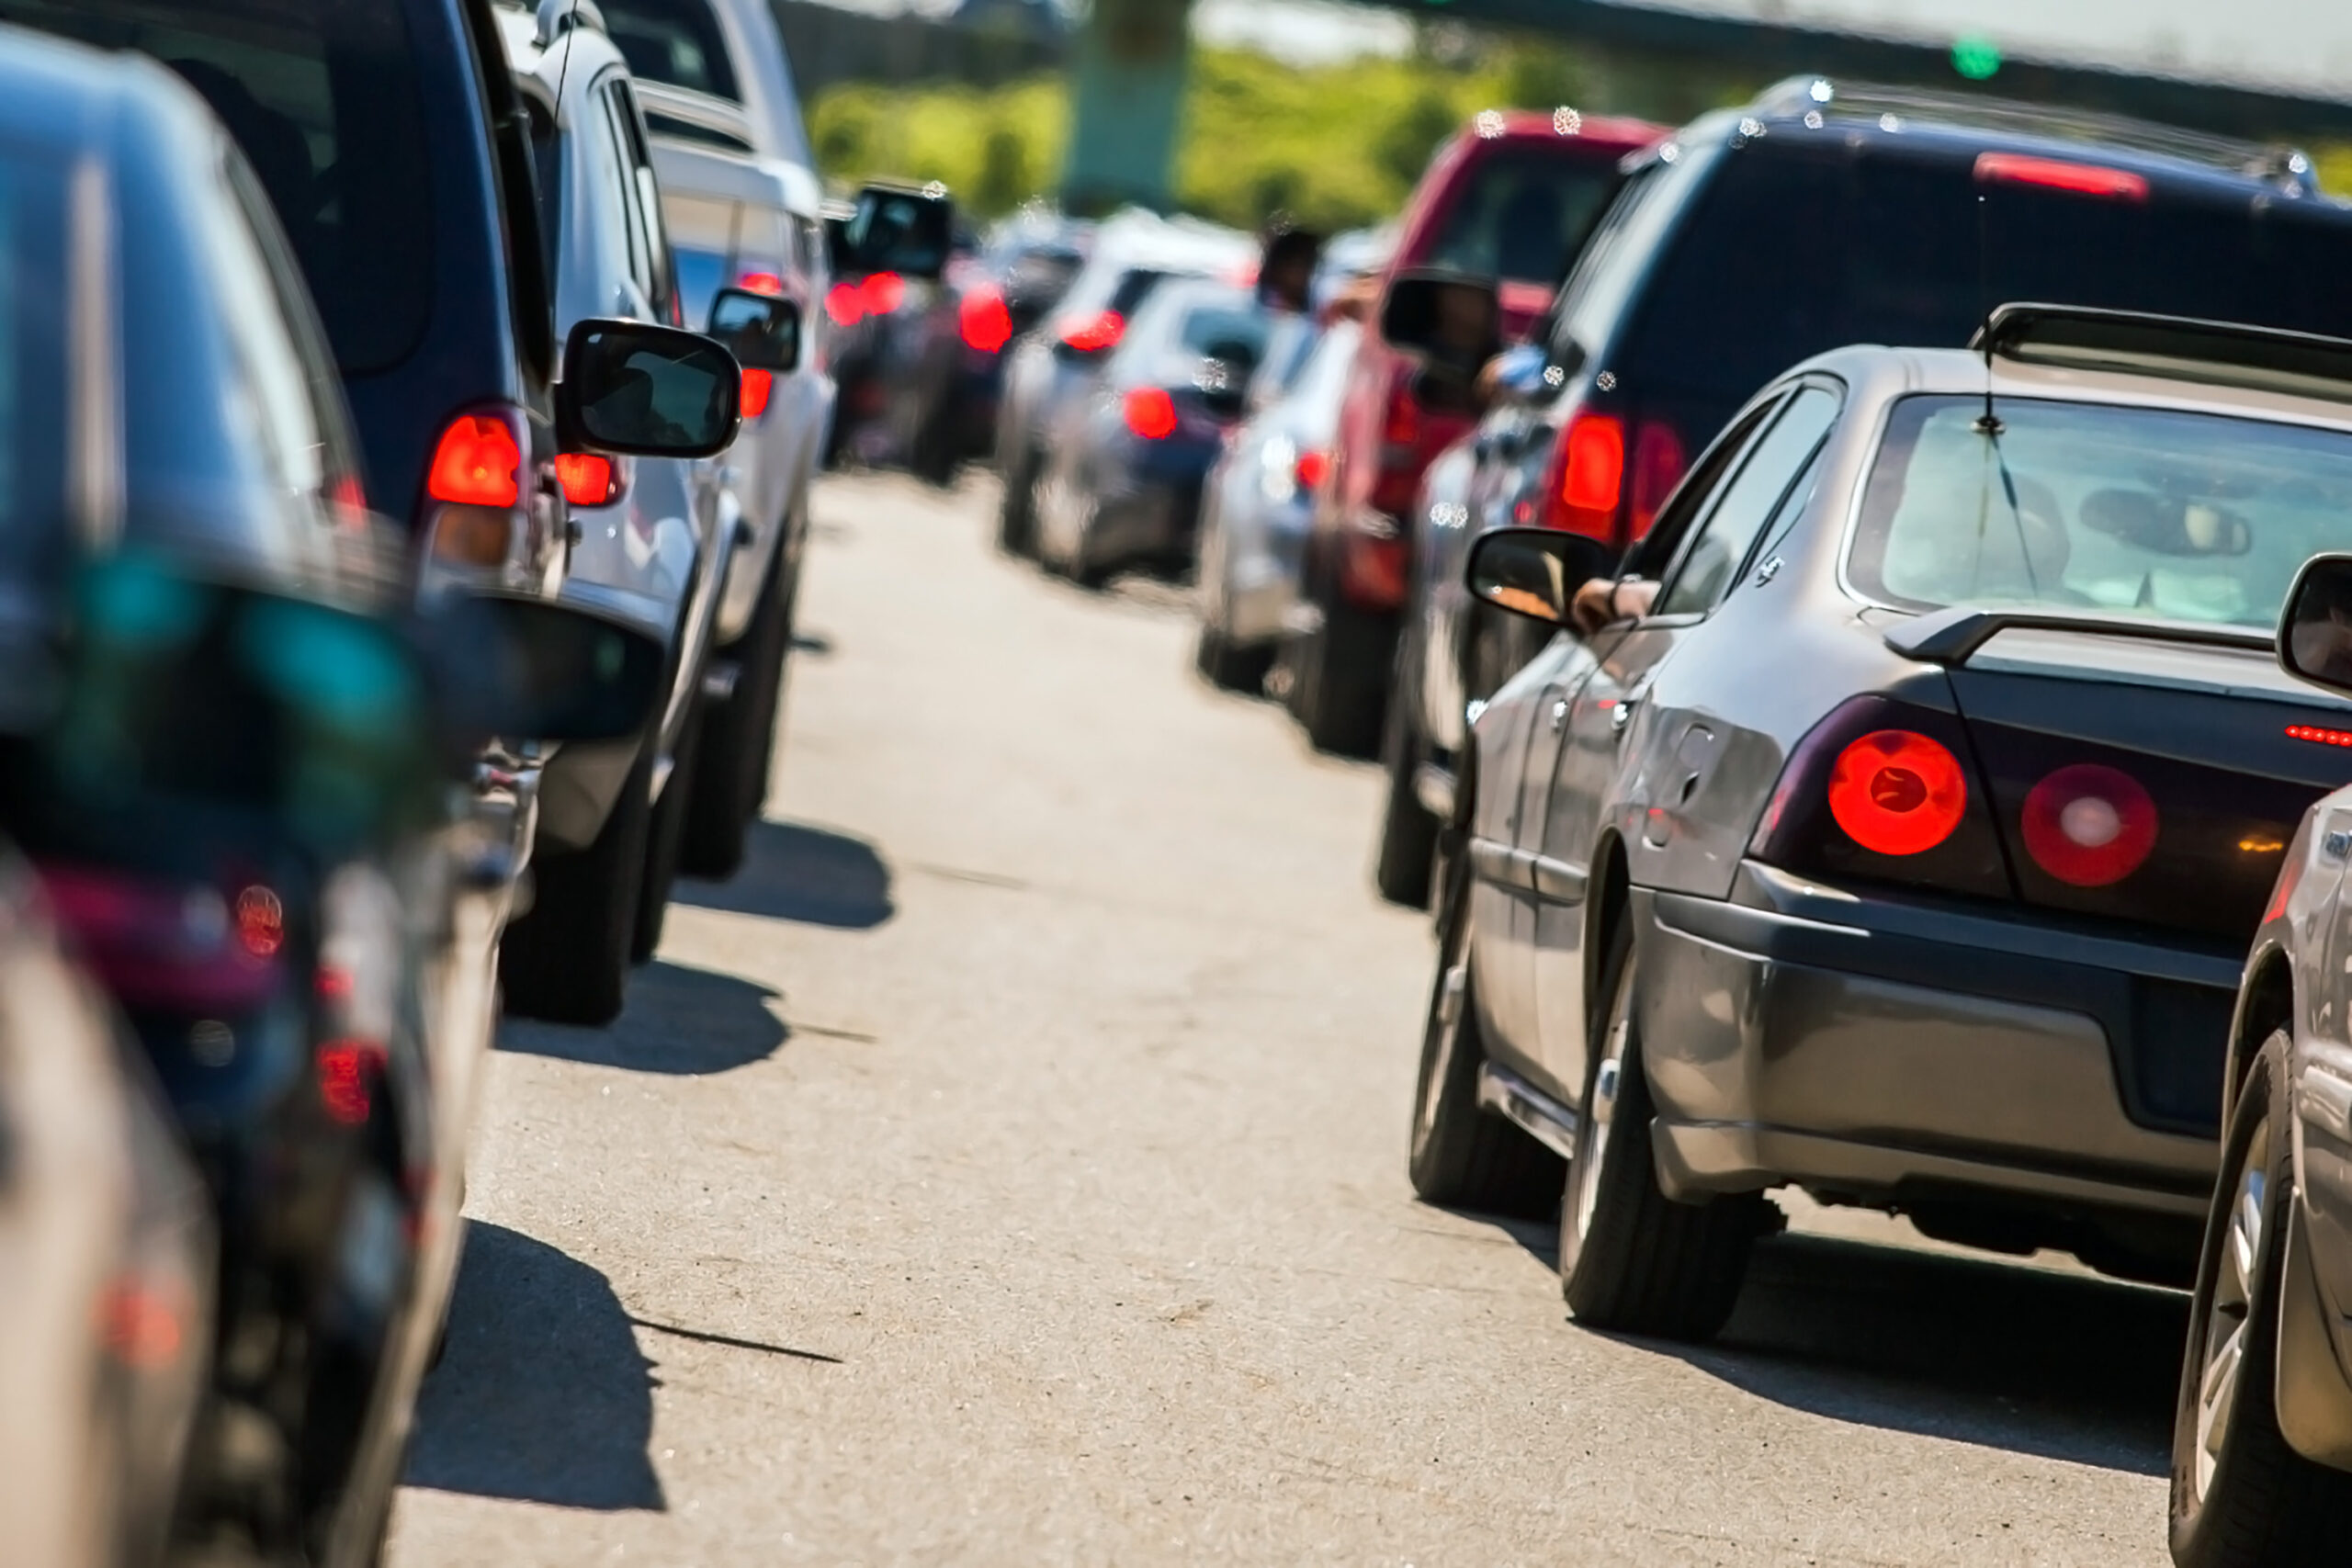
<point>1989,424</point>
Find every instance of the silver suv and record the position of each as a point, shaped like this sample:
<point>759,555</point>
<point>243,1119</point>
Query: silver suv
<point>741,202</point>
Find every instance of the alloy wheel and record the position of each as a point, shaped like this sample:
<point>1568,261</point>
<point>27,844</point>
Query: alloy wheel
<point>1596,1124</point>
<point>2229,1322</point>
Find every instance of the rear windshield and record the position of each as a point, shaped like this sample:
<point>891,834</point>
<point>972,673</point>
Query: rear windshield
<point>2125,510</point>
<point>323,98</point>
<point>676,42</point>
<point>1224,330</point>
<point>1790,253</point>
<point>1521,215</point>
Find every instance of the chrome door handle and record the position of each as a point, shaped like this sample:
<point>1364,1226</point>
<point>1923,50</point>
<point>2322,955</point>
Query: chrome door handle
<point>1622,714</point>
<point>1559,715</point>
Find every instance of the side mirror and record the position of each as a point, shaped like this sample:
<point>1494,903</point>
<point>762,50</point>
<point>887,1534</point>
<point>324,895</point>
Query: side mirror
<point>530,669</point>
<point>634,390</point>
<point>760,331</point>
<point>2315,627</point>
<point>1451,316</point>
<point>1533,572</point>
<point>898,229</point>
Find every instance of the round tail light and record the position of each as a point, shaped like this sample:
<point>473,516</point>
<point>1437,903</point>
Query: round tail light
<point>2089,826</point>
<point>1898,793</point>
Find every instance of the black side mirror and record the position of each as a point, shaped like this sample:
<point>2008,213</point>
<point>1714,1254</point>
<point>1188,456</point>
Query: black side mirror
<point>1448,316</point>
<point>761,330</point>
<point>2315,627</point>
<point>898,229</point>
<point>531,669</point>
<point>1533,572</point>
<point>634,390</point>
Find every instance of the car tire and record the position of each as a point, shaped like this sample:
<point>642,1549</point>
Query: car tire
<point>1228,666</point>
<point>1459,1155</point>
<point>567,960</point>
<point>1632,1259</point>
<point>1402,865</point>
<point>2241,1496</point>
<point>1340,686</point>
<point>667,838</point>
<point>1016,513</point>
<point>730,779</point>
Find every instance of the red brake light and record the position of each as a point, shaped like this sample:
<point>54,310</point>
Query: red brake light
<point>142,1324</point>
<point>1589,477</point>
<point>1898,793</point>
<point>760,283</point>
<point>883,293</point>
<point>1658,462</point>
<point>345,1069</point>
<point>1101,330</point>
<point>845,303</point>
<point>1312,469</point>
<point>1150,413</point>
<point>758,386</point>
<point>261,921</point>
<point>2089,826</point>
<point>986,324</point>
<point>2081,179</point>
<point>587,478</point>
<point>2324,737</point>
<point>478,463</point>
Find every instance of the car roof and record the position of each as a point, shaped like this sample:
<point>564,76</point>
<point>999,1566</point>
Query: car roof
<point>60,95</point>
<point>1951,125</point>
<point>1880,373</point>
<point>564,66</point>
<point>1510,125</point>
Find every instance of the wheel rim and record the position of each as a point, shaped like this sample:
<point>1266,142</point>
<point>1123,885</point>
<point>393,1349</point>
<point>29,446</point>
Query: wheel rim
<point>1598,1122</point>
<point>2230,1318</point>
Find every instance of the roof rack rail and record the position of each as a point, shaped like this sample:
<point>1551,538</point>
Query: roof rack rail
<point>557,17</point>
<point>2275,162</point>
<point>2178,348</point>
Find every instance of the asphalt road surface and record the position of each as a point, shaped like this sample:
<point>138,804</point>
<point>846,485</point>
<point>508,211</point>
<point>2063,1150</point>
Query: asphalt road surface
<point>1008,1168</point>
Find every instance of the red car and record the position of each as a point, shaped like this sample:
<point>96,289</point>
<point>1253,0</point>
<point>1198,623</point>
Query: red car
<point>1513,196</point>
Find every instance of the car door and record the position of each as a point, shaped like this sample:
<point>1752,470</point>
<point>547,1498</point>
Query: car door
<point>1609,750</point>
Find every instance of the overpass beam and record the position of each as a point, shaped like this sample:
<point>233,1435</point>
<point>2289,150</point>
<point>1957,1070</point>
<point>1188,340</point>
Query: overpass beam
<point>1127,102</point>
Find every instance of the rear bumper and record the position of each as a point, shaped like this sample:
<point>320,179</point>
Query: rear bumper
<point>1263,548</point>
<point>1884,1051</point>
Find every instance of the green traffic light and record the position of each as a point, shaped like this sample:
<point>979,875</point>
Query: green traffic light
<point>1976,58</point>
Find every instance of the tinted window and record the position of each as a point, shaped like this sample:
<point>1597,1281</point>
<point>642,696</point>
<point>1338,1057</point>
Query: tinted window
<point>323,96</point>
<point>2126,511</point>
<point>1756,495</point>
<point>1224,332</point>
<point>33,387</point>
<point>1794,252</point>
<point>677,41</point>
<point>1521,215</point>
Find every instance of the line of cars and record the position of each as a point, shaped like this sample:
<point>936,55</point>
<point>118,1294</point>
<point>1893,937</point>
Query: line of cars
<point>1920,781</point>
<point>393,598</point>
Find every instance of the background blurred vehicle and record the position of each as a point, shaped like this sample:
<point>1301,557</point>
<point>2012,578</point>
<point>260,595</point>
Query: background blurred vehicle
<point>2262,1432</point>
<point>742,202</point>
<point>235,797</point>
<point>1350,257</point>
<point>1122,484</point>
<point>948,368</point>
<point>1057,368</point>
<point>2083,210</point>
<point>652,545</point>
<point>1935,908</point>
<point>1511,197</point>
<point>106,1267</point>
<point>878,314</point>
<point>1260,499</point>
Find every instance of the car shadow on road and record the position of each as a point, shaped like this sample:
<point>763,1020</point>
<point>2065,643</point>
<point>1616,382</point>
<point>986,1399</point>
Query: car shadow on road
<point>543,1394</point>
<point>679,1019</point>
<point>1981,1351</point>
<point>794,871</point>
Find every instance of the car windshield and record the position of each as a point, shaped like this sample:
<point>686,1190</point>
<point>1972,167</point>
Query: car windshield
<point>1521,215</point>
<point>676,42</point>
<point>1891,248</point>
<point>2101,507</point>
<point>323,98</point>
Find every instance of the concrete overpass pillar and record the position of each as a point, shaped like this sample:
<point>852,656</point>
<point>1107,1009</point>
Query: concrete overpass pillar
<point>1127,98</point>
